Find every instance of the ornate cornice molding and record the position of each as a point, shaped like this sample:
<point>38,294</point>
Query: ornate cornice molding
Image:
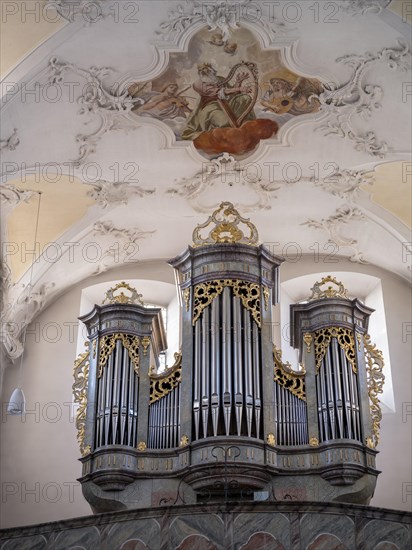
<point>333,227</point>
<point>11,142</point>
<point>107,193</point>
<point>363,7</point>
<point>222,16</point>
<point>359,99</point>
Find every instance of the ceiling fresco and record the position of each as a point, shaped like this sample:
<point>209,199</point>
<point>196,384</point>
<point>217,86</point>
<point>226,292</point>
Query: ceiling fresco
<point>225,95</point>
<point>134,124</point>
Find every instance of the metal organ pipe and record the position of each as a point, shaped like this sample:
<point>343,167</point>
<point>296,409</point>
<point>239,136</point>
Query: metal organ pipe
<point>215,364</point>
<point>227,359</point>
<point>331,400</point>
<point>337,368</point>
<point>247,354</point>
<point>116,408</point>
<point>123,404</point>
<point>237,364</point>
<point>205,370</point>
<point>164,427</point>
<point>256,377</point>
<point>346,395</point>
<point>196,377</point>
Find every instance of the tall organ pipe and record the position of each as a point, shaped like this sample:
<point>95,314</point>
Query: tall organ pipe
<point>247,344</point>
<point>227,359</point>
<point>205,370</point>
<point>256,378</point>
<point>196,376</point>
<point>238,364</point>
<point>215,364</point>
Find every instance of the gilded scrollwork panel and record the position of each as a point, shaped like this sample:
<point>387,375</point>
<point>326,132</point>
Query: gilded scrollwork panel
<point>81,376</point>
<point>345,340</point>
<point>249,294</point>
<point>376,378</point>
<point>286,377</point>
<point>163,383</point>
<point>108,343</point>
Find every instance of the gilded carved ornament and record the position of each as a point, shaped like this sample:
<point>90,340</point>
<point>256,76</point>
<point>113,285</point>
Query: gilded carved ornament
<point>184,441</point>
<point>108,343</point>
<point>307,338</point>
<point>271,440</point>
<point>122,298</point>
<point>249,293</point>
<point>145,344</point>
<point>286,377</point>
<point>81,376</point>
<point>376,378</point>
<point>266,296</point>
<point>163,383</point>
<point>186,298</point>
<point>330,292</point>
<point>225,228</point>
<point>345,340</point>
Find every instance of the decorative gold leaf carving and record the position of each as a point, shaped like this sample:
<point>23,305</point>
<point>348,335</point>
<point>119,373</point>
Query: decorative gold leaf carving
<point>163,383</point>
<point>286,377</point>
<point>186,298</point>
<point>376,378</point>
<point>121,298</point>
<point>329,292</point>
<point>184,441</point>
<point>145,344</point>
<point>271,440</point>
<point>81,376</point>
<point>225,221</point>
<point>345,339</point>
<point>307,338</point>
<point>249,293</point>
<point>108,343</point>
<point>266,296</point>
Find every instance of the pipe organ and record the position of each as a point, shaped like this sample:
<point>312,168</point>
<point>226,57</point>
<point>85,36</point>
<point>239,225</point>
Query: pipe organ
<point>229,419</point>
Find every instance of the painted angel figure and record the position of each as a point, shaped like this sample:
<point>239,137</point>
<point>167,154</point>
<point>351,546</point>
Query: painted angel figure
<point>168,103</point>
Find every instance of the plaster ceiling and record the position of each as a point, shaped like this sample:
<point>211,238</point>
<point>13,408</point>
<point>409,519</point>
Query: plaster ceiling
<point>123,186</point>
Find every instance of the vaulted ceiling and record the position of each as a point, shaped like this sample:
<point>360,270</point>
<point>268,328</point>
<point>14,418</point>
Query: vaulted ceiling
<point>119,184</point>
